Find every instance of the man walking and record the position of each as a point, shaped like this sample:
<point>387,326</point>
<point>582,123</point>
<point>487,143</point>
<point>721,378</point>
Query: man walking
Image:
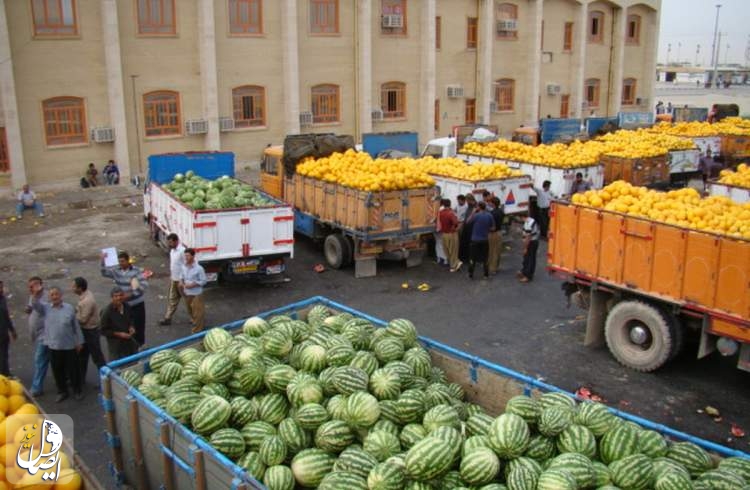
<point>192,281</point>
<point>36,330</point>
<point>176,262</point>
<point>543,201</point>
<point>494,241</point>
<point>131,281</point>
<point>63,338</point>
<point>531,245</point>
<point>117,327</point>
<point>87,314</point>
<point>449,224</point>
<point>7,332</point>
<point>481,225</point>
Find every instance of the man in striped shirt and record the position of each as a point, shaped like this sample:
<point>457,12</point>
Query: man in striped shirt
<point>132,282</point>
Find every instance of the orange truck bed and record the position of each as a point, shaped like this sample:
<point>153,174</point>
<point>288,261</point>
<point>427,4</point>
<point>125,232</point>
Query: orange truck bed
<point>637,171</point>
<point>700,272</point>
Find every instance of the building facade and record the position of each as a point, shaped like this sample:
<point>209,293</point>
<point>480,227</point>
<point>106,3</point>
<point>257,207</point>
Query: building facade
<point>92,80</point>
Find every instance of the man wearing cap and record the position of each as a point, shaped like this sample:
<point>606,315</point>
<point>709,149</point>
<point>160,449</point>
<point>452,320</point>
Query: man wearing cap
<point>531,245</point>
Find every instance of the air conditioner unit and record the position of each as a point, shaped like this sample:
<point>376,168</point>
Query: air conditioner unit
<point>377,114</point>
<point>455,91</point>
<point>393,21</point>
<point>305,118</point>
<point>553,89</point>
<point>493,106</point>
<point>103,135</point>
<point>226,124</point>
<point>507,25</point>
<point>641,101</point>
<point>196,126</point>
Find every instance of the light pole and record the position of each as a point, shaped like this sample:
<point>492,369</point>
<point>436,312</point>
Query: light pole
<point>669,51</point>
<point>714,53</point>
<point>697,52</point>
<point>679,49</point>
<point>726,54</point>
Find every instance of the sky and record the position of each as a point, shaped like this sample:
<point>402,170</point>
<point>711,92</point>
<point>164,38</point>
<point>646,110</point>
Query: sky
<point>691,22</point>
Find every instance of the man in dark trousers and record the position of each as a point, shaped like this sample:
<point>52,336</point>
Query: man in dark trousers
<point>131,280</point>
<point>7,333</point>
<point>531,245</point>
<point>117,327</point>
<point>482,224</point>
<point>87,314</point>
<point>465,229</point>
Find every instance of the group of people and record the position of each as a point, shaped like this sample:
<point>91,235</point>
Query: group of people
<point>110,175</point>
<point>65,337</point>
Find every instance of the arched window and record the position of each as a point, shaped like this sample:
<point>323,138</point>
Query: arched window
<point>633,34</point>
<point>505,92</point>
<point>506,15</point>
<point>64,121</point>
<point>325,103</point>
<point>628,91</point>
<point>592,92</point>
<point>249,106</point>
<point>596,26</point>
<point>161,113</point>
<point>393,100</point>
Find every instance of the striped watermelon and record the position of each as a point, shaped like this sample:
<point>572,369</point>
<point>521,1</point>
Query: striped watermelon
<point>336,406</point>
<point>663,465</point>
<point>577,439</point>
<point>210,414</point>
<point>652,444</point>
<point>313,359</point>
<point>389,411</point>
<point>188,354</point>
<point>479,424</point>
<point>273,408</point>
<point>673,480</point>
<point>277,320</point>
<point>472,443</point>
<point>356,334</point>
<point>509,436</point>
<point>278,478</point>
<point>635,471</point>
<point>404,330</point>
<point>340,355</point>
<point>158,359</point>
<point>317,315</point>
<point>429,458</point>
<point>389,349</point>
<point>311,415</point>
<point>255,432</point>
<point>228,442</point>
<point>272,450</point>
<point>522,478</point>
<point>131,377</point>
<point>181,405</point>
<point>215,389</point>
<point>215,368</point>
<point>577,465</point>
<point>153,391</point>
<point>387,426</point>
<point>523,462</point>
<point>302,393</point>
<point>411,434</point>
<point>301,330</point>
<point>418,485</point>
<point>722,479</point>
<point>437,375</point>
<point>602,474</point>
<point>276,343</point>
<point>692,457</point>
<point>457,391</point>
<point>190,368</point>
<point>556,479</point>
<point>252,463</point>
<point>596,417</point>
<point>419,360</point>
<point>619,442</point>
<point>255,326</point>
<point>276,378</point>
<point>438,394</point>
<point>556,399</point>
<point>737,465</point>
<point>494,486</point>
<point>232,351</point>
<point>480,466</point>
<point>151,378</point>
<point>334,436</point>
<point>555,419</point>
<point>449,435</point>
<point>362,410</point>
<point>348,379</point>
<point>310,466</point>
<point>249,379</point>
<point>355,460</point>
<point>386,476</point>
<point>216,340</point>
<point>385,384</point>
<point>541,448</point>
<point>441,415</point>
<point>381,444</point>
<point>410,406</point>
<point>170,372</point>
<point>364,360</point>
<point>452,479</point>
<point>188,384</point>
<point>294,436</point>
<point>343,480</point>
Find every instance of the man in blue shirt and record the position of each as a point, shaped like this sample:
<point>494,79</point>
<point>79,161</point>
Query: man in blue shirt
<point>482,223</point>
<point>191,285</point>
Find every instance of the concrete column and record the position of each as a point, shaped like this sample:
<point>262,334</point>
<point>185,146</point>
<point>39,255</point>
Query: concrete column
<point>115,89</point>
<point>485,40</point>
<point>619,52</point>
<point>580,65</point>
<point>650,44</point>
<point>427,72</point>
<point>290,66</point>
<point>10,106</point>
<point>209,82</point>
<point>364,75</point>
<point>535,66</point>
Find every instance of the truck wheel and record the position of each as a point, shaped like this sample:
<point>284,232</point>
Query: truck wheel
<point>678,337</point>
<point>348,251</point>
<point>334,249</point>
<point>639,336</point>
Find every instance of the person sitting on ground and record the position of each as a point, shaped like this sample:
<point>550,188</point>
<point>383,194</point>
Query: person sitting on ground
<point>111,173</point>
<point>91,174</point>
<point>27,200</point>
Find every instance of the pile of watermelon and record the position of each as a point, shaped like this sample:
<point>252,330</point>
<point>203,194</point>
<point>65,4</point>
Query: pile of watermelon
<point>222,193</point>
<point>336,403</point>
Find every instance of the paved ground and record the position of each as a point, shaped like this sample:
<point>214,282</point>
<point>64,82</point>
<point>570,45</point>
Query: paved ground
<point>524,327</point>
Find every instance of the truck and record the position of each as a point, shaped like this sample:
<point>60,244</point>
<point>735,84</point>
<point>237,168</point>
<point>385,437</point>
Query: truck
<point>243,243</point>
<point>648,285</point>
<point>403,142</point>
<point>734,192</point>
<point>154,450</point>
<point>354,226</point>
<point>645,171</point>
<point>513,192</point>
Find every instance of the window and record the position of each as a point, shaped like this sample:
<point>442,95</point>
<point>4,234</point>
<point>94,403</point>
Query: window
<point>592,93</point>
<point>64,121</point>
<point>161,113</point>
<point>156,17</point>
<point>568,37</point>
<point>393,15</point>
<point>324,16</point>
<point>628,91</point>
<point>54,17</point>
<point>633,36</point>
<point>325,104</point>
<point>470,111</point>
<point>504,94</point>
<point>596,26</point>
<point>393,100</point>
<point>472,25</point>
<point>4,162</point>
<point>438,34</point>
<point>249,104</point>
<point>245,17</point>
<point>437,115</point>
<point>564,105</point>
<point>506,15</point>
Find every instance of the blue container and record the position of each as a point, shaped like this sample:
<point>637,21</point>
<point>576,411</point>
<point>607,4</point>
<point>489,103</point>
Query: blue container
<point>556,129</point>
<point>374,143</point>
<point>208,164</point>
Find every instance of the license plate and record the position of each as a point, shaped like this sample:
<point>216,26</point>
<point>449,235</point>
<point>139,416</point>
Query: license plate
<point>245,266</point>
<point>212,276</point>
<point>274,269</point>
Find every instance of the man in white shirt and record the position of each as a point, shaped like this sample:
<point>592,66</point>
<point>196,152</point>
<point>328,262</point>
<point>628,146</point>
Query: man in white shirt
<point>27,200</point>
<point>543,199</point>
<point>176,262</point>
<point>192,280</point>
<point>461,208</point>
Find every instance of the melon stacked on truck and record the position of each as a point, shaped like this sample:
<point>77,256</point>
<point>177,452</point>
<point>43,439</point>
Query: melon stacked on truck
<point>734,184</point>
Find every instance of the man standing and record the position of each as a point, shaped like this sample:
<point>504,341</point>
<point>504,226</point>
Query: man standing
<point>131,281</point>
<point>63,338</point>
<point>87,314</point>
<point>461,208</point>
<point>482,224</point>
<point>543,201</point>
<point>7,333</point>
<point>495,242</point>
<point>464,239</point>
<point>580,185</point>
<point>449,224</point>
<point>531,245</point>
<point>192,282</point>
<point>27,200</point>
<point>36,330</point>
<point>117,327</point>
<point>440,256</point>
<point>176,262</point>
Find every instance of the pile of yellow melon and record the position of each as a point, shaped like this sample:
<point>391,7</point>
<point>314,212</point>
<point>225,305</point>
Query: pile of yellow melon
<point>684,207</point>
<point>740,178</point>
<point>458,169</point>
<point>557,155</point>
<point>16,414</point>
<point>694,129</point>
<point>642,144</point>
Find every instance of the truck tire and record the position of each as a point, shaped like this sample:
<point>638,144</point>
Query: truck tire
<point>349,251</point>
<point>639,336</point>
<point>335,250</point>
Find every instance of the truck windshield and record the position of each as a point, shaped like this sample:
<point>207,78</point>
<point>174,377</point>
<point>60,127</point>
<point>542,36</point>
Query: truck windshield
<point>433,151</point>
<point>269,164</point>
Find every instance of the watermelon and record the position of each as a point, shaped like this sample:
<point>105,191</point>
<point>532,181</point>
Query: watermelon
<point>635,471</point>
<point>441,415</point>
<point>452,479</point>
<point>294,436</point>
<point>278,377</point>
<point>131,377</point>
<point>740,466</point>
<point>273,408</point>
<point>310,466</point>
<point>181,405</point>
<point>170,372</point>
<point>254,433</point>
<point>522,478</point>
<point>479,424</point>
<point>272,450</point>
<point>556,479</point>
<point>158,359</point>
<point>509,436</point>
<point>596,417</point>
<point>663,465</point>
<point>523,462</point>
<point>411,406</point>
<point>228,442</point>
<point>216,389</point>
<point>693,458</point>
<point>249,379</point>
<point>346,380</point>
<point>340,355</point>
<point>317,315</point>
<point>355,460</point>
<point>438,394</point>
<point>619,442</point>
<point>389,349</point>
<point>385,384</point>
<point>333,436</point>
<point>555,419</point>
<point>210,414</point>
<point>722,479</point>
<point>337,407</point>
<point>362,410</point>
<point>303,393</point>
<point>449,435</point>
<point>480,466</point>
<point>313,359</point>
<point>525,407</point>
<point>540,448</point>
<point>389,411</point>
<point>652,444</point>
<point>255,326</point>
<point>276,343</point>
<point>428,459</point>
<point>419,360</point>
<point>404,330</point>
<point>556,399</point>
<point>343,479</point>
<point>673,480</point>
<point>602,474</point>
<point>253,464</point>
<point>216,340</point>
<point>577,439</point>
<point>386,476</point>
<point>215,368</point>
<point>411,434</point>
<point>381,444</point>
<point>278,478</point>
<point>311,415</point>
<point>577,465</point>
<point>387,426</point>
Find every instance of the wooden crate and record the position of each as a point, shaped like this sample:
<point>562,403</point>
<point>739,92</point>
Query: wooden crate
<point>735,147</point>
<point>637,171</point>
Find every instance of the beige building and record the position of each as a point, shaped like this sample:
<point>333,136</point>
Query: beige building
<point>91,80</point>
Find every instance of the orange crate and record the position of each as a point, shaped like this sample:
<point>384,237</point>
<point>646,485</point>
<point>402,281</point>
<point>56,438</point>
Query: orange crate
<point>637,171</point>
<point>735,146</point>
